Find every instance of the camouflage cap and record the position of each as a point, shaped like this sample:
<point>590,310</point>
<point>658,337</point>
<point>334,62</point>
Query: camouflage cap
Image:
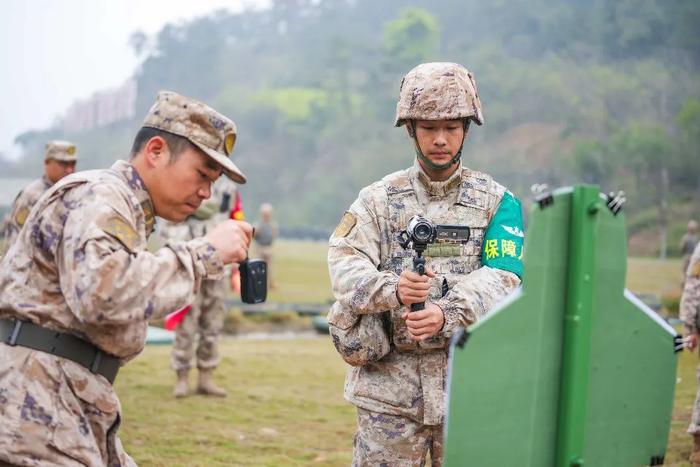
<point>200,124</point>
<point>438,91</point>
<point>60,151</point>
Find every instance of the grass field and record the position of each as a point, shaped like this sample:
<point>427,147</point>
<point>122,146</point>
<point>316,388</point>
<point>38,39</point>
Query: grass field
<point>285,405</point>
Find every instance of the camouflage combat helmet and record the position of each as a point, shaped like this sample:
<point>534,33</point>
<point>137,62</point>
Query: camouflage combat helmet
<point>438,91</point>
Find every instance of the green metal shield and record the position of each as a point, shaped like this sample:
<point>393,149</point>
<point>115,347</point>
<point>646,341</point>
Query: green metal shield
<point>571,369</point>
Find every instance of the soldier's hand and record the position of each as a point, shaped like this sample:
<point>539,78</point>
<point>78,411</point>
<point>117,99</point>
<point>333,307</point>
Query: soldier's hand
<point>425,323</point>
<point>413,288</point>
<point>231,239</point>
<point>691,341</point>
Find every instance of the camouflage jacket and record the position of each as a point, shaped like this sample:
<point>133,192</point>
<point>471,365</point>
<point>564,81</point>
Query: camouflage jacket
<point>25,200</point>
<point>690,301</point>
<point>81,266</point>
<point>365,261</point>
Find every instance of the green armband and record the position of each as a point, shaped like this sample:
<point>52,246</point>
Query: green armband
<point>504,237</point>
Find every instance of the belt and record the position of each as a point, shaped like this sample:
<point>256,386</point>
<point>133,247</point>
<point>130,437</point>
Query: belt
<point>23,333</point>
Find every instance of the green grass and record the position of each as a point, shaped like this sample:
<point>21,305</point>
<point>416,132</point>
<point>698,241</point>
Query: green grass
<point>285,408</point>
<point>650,275</point>
<point>285,404</point>
<point>300,272</point>
<point>679,442</point>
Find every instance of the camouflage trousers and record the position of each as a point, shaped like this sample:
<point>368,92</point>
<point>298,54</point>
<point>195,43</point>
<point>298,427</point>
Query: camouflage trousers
<point>394,441</point>
<point>265,254</point>
<point>201,327</point>
<point>54,412</point>
<point>694,428</point>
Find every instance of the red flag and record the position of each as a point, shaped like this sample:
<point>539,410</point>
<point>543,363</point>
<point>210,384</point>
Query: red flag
<point>173,319</point>
<point>237,211</point>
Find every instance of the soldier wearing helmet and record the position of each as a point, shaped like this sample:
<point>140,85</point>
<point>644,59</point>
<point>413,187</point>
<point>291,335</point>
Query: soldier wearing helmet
<point>399,357</point>
<point>59,160</point>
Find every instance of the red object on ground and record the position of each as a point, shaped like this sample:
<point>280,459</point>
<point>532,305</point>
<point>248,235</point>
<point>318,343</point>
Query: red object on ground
<point>173,319</point>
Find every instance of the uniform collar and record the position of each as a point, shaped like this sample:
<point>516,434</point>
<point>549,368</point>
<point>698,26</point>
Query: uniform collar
<point>48,183</point>
<point>135,182</point>
<point>435,189</point>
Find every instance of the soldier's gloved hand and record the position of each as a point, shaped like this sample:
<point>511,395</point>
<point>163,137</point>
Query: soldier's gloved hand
<point>425,323</point>
<point>231,240</point>
<point>413,288</point>
<point>691,341</point>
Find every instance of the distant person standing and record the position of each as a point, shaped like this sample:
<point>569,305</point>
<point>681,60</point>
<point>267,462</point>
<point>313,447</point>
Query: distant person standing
<point>266,232</point>
<point>688,242</point>
<point>197,336</point>
<point>689,308</point>
<point>59,161</point>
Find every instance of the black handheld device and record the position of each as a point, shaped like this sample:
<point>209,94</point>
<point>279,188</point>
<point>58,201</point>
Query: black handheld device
<point>253,280</point>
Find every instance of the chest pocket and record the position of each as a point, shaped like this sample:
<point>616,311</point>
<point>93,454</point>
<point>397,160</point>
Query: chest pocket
<point>458,259</point>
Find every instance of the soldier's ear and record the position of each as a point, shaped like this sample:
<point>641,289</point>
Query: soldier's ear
<point>156,151</point>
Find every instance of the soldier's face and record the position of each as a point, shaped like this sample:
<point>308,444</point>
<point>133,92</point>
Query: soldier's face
<point>56,170</point>
<point>439,140</point>
<point>182,183</point>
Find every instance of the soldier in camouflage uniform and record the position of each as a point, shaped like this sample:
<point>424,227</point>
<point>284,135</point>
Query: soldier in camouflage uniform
<point>689,308</point>
<point>59,161</point>
<point>687,245</point>
<point>79,285</point>
<point>399,358</point>
<point>206,318</point>
<point>266,231</point>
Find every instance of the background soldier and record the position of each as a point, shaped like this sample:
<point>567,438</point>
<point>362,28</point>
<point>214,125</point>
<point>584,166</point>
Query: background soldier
<point>266,232</point>
<point>399,388</point>
<point>206,318</point>
<point>78,286</point>
<point>690,305</point>
<point>687,244</point>
<point>59,161</point>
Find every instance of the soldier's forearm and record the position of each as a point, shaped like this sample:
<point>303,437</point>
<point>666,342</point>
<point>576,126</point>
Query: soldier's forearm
<point>116,287</point>
<point>364,289</point>
<point>475,295</point>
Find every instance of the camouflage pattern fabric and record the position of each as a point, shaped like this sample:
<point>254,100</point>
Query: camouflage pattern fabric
<point>23,204</point>
<point>201,327</point>
<point>689,308</point>
<point>688,243</point>
<point>365,261</point>
<point>394,441</point>
<point>81,266</point>
<point>204,321</point>
<point>438,91</point>
<point>61,151</point>
<point>203,126</point>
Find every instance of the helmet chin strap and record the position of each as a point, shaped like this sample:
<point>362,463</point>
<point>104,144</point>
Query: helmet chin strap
<point>430,163</point>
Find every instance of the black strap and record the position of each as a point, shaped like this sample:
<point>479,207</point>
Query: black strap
<point>26,334</point>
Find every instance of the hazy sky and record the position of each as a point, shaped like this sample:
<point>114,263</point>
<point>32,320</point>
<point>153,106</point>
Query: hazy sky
<point>55,51</point>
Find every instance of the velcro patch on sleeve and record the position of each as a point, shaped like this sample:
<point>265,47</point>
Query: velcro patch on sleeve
<point>21,216</point>
<point>504,238</point>
<point>122,231</point>
<point>347,222</point>
<point>695,269</point>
